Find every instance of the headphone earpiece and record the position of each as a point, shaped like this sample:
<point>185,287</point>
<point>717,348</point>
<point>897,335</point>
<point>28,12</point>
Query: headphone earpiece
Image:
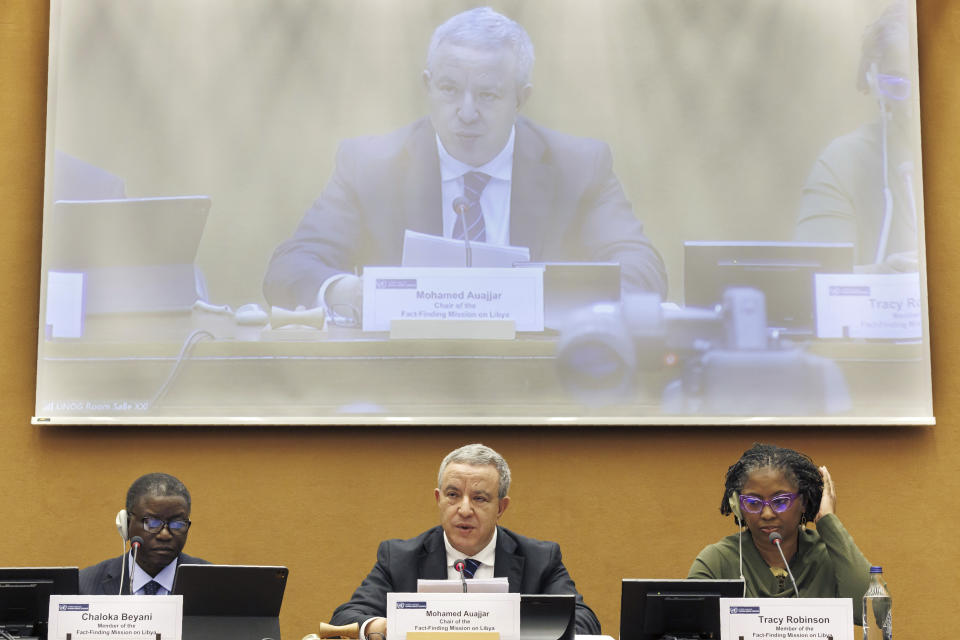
<point>871,78</point>
<point>734,502</point>
<point>122,524</point>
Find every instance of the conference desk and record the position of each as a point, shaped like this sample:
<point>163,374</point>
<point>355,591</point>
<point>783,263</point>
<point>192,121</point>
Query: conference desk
<point>147,373</point>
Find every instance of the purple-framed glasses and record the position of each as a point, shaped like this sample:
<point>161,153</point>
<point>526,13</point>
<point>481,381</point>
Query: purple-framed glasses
<point>779,503</point>
<point>893,87</point>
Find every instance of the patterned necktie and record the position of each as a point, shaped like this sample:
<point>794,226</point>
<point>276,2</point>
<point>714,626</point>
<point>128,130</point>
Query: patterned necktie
<point>151,588</point>
<point>470,567</point>
<point>473,185</point>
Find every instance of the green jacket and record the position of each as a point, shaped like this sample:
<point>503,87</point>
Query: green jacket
<point>828,564</point>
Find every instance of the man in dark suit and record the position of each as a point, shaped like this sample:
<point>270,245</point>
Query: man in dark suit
<point>471,496</point>
<point>158,512</point>
<point>518,183</point>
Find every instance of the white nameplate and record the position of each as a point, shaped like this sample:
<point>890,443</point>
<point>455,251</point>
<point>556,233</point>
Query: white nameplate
<point>115,617</point>
<point>474,585</point>
<point>428,293</point>
<point>451,612</point>
<point>786,618</point>
<point>861,305</point>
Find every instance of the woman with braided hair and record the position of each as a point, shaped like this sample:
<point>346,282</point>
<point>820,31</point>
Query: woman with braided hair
<point>774,493</point>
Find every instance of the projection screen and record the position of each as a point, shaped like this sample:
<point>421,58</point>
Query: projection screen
<point>221,174</point>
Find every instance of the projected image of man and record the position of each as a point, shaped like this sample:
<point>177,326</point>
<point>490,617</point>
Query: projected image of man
<point>520,183</point>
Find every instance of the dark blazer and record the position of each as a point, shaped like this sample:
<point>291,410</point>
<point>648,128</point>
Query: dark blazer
<point>531,566</point>
<point>104,578</point>
<point>565,205</point>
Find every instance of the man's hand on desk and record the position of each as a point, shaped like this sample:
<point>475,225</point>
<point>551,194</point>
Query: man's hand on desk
<point>344,298</point>
<point>375,626</point>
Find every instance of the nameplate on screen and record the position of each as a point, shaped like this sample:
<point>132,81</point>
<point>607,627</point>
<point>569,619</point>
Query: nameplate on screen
<point>462,294</point>
<point>115,617</point>
<point>868,306</point>
<point>786,618</point>
<point>453,612</point>
<point>64,305</point>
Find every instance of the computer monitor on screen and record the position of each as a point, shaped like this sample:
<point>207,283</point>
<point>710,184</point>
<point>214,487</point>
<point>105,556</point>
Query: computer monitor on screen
<point>783,271</point>
<point>135,254</point>
<point>25,597</point>
<point>652,609</point>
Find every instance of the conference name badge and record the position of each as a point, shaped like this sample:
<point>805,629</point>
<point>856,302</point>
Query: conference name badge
<point>115,617</point>
<point>453,613</point>
<point>452,294</point>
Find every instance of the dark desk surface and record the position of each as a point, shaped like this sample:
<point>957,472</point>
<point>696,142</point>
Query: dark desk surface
<point>346,375</point>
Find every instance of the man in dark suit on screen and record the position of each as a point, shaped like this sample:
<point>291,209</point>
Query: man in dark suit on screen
<point>516,183</point>
<point>158,512</point>
<point>471,496</point>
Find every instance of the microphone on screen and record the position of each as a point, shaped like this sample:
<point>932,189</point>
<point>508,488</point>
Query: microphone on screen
<point>135,543</point>
<point>460,206</point>
<point>776,539</point>
<point>458,566</point>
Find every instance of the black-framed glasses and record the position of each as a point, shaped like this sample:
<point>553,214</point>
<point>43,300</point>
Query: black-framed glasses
<point>779,503</point>
<point>156,525</point>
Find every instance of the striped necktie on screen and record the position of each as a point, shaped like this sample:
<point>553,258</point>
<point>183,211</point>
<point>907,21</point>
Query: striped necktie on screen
<point>473,185</point>
<point>470,567</point>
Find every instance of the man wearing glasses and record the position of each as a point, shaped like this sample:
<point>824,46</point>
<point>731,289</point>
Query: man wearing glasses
<point>158,512</point>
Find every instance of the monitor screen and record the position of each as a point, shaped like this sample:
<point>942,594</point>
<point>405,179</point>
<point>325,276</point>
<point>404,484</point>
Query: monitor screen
<point>783,271</point>
<point>651,609</point>
<point>547,616</point>
<point>230,590</point>
<point>25,597</point>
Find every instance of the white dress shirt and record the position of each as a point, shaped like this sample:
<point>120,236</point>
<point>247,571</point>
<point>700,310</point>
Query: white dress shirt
<point>495,198</point>
<point>494,201</point>
<point>485,557</point>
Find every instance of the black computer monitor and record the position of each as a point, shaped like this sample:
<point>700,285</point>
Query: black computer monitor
<point>651,609</point>
<point>547,616</point>
<point>230,602</point>
<point>25,597</point>
<point>783,271</point>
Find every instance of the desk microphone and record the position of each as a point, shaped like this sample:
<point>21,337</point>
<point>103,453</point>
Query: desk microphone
<point>458,566</point>
<point>776,539</point>
<point>135,543</point>
<point>460,206</point>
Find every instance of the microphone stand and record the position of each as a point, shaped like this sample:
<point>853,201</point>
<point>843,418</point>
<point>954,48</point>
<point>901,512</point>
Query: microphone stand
<point>775,538</point>
<point>458,566</point>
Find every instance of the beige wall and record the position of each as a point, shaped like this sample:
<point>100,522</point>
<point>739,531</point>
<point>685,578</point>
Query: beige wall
<point>622,502</point>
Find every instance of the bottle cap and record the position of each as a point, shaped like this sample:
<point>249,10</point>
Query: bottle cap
<point>876,569</point>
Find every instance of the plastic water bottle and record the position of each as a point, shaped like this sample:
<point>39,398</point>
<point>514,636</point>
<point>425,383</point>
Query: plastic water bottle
<point>877,608</point>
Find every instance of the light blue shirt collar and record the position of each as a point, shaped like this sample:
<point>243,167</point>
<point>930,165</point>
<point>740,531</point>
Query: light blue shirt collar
<point>141,577</point>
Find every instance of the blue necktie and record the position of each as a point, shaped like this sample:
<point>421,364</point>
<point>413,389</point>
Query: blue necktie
<point>470,567</point>
<point>151,588</point>
<point>473,185</point>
